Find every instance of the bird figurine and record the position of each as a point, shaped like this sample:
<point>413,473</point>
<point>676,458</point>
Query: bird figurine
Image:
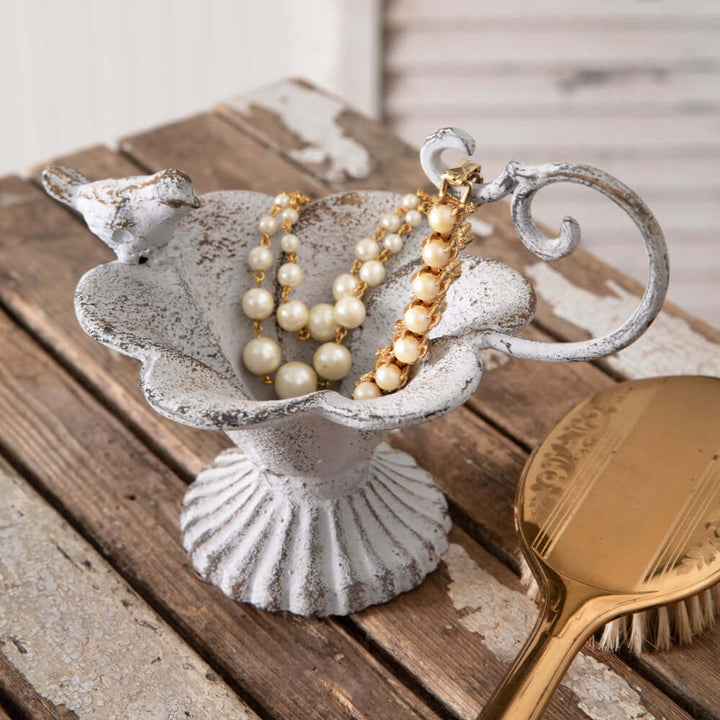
<point>132,215</point>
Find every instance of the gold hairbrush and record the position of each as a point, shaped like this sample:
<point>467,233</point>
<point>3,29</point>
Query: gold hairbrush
<point>618,511</point>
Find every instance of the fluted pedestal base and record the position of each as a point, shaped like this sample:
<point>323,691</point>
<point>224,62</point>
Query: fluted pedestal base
<point>315,546</point>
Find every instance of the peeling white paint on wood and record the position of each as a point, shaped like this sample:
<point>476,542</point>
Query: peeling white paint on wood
<point>82,637</point>
<point>669,347</point>
<point>504,618</point>
<point>313,118</point>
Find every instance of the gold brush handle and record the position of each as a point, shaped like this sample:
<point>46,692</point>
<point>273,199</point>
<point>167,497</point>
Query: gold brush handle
<point>530,683</point>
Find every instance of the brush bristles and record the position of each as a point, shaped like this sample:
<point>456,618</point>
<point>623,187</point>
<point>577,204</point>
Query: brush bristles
<point>655,629</point>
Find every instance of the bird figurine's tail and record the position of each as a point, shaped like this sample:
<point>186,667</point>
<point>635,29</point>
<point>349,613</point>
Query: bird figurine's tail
<point>62,183</point>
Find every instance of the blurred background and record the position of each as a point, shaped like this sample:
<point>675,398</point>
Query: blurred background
<point>632,86</point>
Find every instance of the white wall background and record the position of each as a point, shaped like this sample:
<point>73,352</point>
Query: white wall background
<point>78,72</point>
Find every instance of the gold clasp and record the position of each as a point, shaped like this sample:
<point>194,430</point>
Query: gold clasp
<point>464,174</point>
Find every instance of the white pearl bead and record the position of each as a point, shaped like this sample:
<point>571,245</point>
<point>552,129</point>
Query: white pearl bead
<point>290,215</point>
<point>321,322</point>
<point>366,391</point>
<point>391,222</point>
<point>258,304</point>
<point>268,225</point>
<point>367,249</point>
<point>344,285</point>
<point>410,201</point>
<point>372,272</point>
<point>393,242</point>
<point>292,315</point>
<point>260,258</point>
<point>349,312</point>
<point>387,377</point>
<point>293,379</point>
<point>290,243</point>
<point>262,356</point>
<point>413,218</point>
<point>290,274</point>
<point>426,286</point>
<point>283,200</point>
<point>407,349</point>
<point>417,319</point>
<point>441,219</point>
<point>332,361</point>
<point>436,253</point>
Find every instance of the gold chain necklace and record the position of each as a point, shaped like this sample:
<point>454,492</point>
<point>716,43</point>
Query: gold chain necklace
<point>430,284</point>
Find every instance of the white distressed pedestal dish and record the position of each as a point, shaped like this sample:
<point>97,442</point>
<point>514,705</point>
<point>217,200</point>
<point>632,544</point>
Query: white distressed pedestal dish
<point>313,512</point>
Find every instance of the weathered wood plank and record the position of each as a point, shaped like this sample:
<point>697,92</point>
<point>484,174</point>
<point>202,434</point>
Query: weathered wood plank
<point>221,160</point>
<point>96,470</point>
<point>128,503</point>
<point>66,618</point>
<point>326,136</point>
<point>44,251</point>
<point>480,619</point>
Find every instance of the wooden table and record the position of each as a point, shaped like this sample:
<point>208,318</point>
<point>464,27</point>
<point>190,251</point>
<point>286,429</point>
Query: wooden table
<point>102,616</point>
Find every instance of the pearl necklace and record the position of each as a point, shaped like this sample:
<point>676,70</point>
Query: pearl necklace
<point>324,322</point>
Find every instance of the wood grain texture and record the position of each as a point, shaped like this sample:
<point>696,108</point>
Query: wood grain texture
<point>128,504</point>
<point>67,618</point>
<point>43,253</point>
<point>21,699</point>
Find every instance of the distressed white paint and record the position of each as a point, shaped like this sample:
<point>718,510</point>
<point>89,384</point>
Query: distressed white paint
<point>504,618</point>
<point>82,637</point>
<point>669,347</point>
<point>312,544</point>
<point>313,118</point>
